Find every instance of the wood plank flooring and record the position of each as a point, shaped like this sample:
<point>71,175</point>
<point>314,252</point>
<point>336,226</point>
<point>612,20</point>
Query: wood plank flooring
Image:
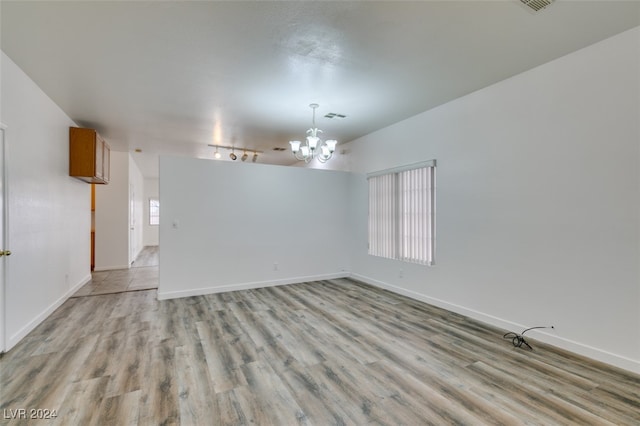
<point>332,352</point>
<point>148,257</point>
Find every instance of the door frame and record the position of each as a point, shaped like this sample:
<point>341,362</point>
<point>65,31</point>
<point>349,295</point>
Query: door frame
<point>132,224</point>
<point>4,241</point>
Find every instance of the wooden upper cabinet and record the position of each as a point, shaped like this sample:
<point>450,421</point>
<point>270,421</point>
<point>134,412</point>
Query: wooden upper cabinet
<point>89,156</point>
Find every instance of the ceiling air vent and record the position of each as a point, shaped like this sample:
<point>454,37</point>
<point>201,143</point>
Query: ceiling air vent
<point>334,115</point>
<point>536,5</point>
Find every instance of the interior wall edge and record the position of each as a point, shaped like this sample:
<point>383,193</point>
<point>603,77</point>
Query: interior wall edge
<point>248,286</point>
<point>545,337</point>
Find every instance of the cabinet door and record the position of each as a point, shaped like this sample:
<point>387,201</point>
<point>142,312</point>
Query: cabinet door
<point>106,162</point>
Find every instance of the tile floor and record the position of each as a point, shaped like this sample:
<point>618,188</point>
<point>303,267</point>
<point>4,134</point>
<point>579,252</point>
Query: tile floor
<point>143,275</point>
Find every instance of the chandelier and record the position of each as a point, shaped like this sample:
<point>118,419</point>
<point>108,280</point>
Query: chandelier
<point>313,147</point>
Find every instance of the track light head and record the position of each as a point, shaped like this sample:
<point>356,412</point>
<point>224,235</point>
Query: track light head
<point>232,154</point>
<point>216,154</point>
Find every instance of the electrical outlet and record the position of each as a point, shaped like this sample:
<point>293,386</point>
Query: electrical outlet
<point>401,273</point>
<point>275,266</point>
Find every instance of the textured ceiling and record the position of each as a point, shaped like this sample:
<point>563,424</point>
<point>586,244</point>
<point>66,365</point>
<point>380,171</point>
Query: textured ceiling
<point>172,77</point>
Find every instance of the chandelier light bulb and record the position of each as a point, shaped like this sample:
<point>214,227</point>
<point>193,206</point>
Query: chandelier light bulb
<point>313,142</point>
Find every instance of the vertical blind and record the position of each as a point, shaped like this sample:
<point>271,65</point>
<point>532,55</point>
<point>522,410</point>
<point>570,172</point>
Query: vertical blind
<point>402,213</point>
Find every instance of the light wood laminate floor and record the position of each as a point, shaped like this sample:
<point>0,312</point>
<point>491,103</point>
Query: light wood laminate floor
<point>143,275</point>
<point>321,353</point>
<point>149,256</point>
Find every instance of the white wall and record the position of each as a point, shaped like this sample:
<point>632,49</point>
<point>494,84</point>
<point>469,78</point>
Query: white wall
<point>112,216</point>
<point>151,234</point>
<point>49,212</point>
<point>538,202</point>
<point>136,197</point>
<point>224,225</point>
<point>119,226</point>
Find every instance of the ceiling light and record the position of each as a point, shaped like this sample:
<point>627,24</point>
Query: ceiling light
<point>313,147</point>
<point>232,155</point>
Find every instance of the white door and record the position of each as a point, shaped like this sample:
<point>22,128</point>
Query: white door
<point>3,240</point>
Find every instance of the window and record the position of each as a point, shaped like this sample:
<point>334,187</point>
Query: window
<point>402,213</point>
<point>154,211</point>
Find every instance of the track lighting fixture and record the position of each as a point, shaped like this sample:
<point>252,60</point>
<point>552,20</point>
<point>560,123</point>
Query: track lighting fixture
<point>232,155</point>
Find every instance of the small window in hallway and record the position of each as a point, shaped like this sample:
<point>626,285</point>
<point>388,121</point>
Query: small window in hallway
<point>154,211</point>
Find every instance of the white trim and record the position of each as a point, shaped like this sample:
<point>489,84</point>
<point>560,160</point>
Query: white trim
<point>22,333</point>
<point>111,268</point>
<point>542,336</point>
<point>419,165</point>
<point>246,286</point>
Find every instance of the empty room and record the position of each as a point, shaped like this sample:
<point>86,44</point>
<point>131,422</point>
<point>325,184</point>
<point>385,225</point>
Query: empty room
<point>320,212</point>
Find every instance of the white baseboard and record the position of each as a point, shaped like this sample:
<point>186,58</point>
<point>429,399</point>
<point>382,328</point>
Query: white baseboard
<point>162,295</point>
<point>542,336</point>
<point>110,268</point>
<point>22,333</point>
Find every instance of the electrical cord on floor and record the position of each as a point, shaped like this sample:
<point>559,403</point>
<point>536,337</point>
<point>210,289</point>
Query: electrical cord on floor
<point>518,339</point>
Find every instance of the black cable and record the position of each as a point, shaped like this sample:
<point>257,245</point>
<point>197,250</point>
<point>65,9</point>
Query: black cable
<point>518,339</point>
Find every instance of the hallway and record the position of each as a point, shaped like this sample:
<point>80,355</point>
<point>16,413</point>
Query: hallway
<point>143,275</point>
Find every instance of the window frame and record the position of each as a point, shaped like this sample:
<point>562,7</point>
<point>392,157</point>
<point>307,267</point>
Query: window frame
<point>397,211</point>
<point>151,208</point>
